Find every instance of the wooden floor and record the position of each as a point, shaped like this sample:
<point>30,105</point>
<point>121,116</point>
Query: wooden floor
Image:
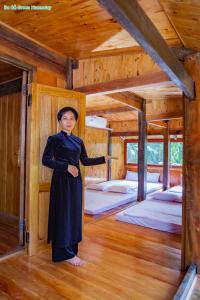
<point>92,218</point>
<point>9,234</point>
<point>196,291</point>
<point>123,262</point>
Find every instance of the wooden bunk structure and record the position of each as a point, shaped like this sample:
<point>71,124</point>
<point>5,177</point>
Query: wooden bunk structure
<point>132,62</point>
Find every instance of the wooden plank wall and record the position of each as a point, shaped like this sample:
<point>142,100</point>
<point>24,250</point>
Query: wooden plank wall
<point>191,194</point>
<point>46,72</point>
<point>95,70</point>
<point>96,141</point>
<point>10,106</point>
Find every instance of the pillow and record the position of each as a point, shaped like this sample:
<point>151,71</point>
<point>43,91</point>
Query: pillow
<point>152,177</point>
<point>121,189</point>
<point>176,189</point>
<point>97,186</point>
<point>131,176</point>
<point>168,196</point>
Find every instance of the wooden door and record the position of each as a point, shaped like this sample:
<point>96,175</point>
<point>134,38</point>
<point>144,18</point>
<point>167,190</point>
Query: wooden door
<point>42,122</point>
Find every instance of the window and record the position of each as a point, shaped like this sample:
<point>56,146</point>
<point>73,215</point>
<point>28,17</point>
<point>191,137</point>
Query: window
<point>176,153</point>
<point>132,153</point>
<point>155,152</point>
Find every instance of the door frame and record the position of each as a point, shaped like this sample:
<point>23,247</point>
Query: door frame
<point>30,71</point>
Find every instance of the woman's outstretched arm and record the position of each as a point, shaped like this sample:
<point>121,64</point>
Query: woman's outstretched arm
<point>48,156</point>
<point>86,161</point>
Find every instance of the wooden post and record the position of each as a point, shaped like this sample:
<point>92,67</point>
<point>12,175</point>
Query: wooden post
<point>142,164</point>
<point>70,65</point>
<point>191,170</point>
<point>109,165</point>
<point>166,157</point>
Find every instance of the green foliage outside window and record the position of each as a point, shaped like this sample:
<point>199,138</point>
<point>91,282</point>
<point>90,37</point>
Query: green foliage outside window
<point>155,153</point>
<point>176,153</point>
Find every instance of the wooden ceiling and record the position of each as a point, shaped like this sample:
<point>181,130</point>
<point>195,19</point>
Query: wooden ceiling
<point>83,28</point>
<point>8,72</point>
<point>107,107</point>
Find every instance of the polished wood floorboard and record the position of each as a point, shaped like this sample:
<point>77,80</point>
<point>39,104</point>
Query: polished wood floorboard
<point>196,291</point>
<point>92,218</point>
<point>124,262</point>
<point>9,234</point>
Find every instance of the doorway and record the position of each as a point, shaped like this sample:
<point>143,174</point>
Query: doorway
<point>13,111</point>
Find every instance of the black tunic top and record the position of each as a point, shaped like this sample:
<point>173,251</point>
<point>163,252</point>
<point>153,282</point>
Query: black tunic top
<point>65,206</point>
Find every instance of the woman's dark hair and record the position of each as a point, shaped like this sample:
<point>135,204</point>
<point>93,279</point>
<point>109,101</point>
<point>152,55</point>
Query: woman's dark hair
<point>63,110</point>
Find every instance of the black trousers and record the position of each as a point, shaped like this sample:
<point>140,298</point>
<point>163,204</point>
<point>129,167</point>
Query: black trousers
<point>59,254</point>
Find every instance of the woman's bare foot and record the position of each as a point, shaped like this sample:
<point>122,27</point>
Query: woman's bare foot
<point>76,261</point>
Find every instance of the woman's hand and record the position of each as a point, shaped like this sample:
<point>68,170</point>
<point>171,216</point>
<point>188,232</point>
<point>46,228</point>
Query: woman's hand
<point>107,157</point>
<point>73,170</point>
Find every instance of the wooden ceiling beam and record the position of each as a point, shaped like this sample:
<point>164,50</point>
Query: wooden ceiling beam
<point>160,124</point>
<point>132,18</point>
<point>108,111</point>
<point>9,34</point>
<point>128,98</point>
<point>125,84</point>
<point>164,116</point>
<point>149,132</point>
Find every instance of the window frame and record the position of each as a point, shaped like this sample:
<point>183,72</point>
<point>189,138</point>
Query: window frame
<point>180,140</point>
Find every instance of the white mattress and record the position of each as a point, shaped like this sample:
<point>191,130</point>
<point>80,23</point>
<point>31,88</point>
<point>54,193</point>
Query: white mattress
<point>160,215</point>
<point>96,202</point>
<point>90,180</point>
<point>151,186</point>
<point>176,189</point>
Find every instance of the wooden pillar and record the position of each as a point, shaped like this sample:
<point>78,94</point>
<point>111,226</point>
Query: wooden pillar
<point>70,66</point>
<point>166,157</point>
<point>142,144</point>
<point>109,164</point>
<point>191,170</point>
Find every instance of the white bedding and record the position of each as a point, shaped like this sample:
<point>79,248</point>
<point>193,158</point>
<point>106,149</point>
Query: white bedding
<point>96,202</point>
<point>103,186</point>
<point>160,215</point>
<point>90,180</point>
<point>176,189</point>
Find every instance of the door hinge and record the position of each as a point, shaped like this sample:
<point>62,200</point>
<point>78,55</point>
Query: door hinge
<point>22,225</point>
<point>25,91</point>
<point>29,99</point>
<point>27,236</point>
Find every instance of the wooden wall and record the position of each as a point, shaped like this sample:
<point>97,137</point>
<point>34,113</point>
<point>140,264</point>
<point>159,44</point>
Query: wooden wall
<point>10,106</point>
<point>95,70</point>
<point>96,141</point>
<point>118,165</point>
<point>191,193</point>
<point>46,72</point>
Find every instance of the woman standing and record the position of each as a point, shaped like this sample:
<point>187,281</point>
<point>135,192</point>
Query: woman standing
<point>62,154</point>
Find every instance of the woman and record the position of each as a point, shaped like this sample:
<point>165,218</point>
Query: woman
<point>62,153</point>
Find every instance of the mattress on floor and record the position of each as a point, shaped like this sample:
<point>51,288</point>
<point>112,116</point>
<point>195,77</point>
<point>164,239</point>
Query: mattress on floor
<point>90,180</point>
<point>176,189</point>
<point>155,214</point>
<point>151,186</point>
<point>96,202</point>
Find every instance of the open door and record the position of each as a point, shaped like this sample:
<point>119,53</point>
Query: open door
<point>44,103</point>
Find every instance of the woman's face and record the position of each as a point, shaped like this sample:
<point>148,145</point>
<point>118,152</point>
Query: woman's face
<point>68,121</point>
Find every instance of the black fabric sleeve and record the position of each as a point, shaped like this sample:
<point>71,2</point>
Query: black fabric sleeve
<point>86,161</point>
<point>48,156</point>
